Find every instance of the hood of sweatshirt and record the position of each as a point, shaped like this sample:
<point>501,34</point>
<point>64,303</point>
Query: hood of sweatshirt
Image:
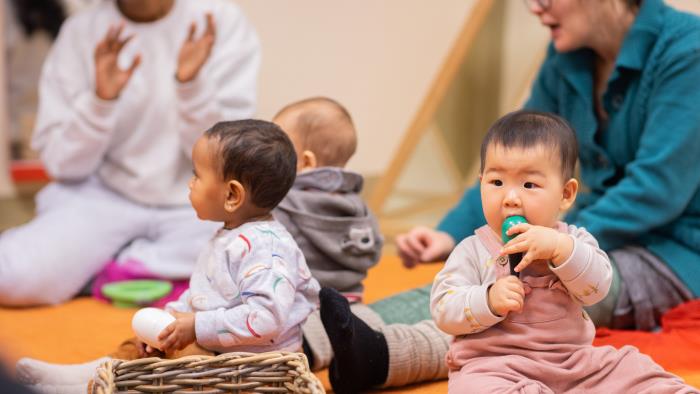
<point>333,226</point>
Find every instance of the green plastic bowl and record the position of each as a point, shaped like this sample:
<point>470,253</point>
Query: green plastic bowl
<point>136,293</point>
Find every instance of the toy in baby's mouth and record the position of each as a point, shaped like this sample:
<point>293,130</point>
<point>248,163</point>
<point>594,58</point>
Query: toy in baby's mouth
<point>513,259</point>
<point>148,323</point>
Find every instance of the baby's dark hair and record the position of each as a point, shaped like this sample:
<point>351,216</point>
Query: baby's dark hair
<point>259,155</point>
<point>527,129</point>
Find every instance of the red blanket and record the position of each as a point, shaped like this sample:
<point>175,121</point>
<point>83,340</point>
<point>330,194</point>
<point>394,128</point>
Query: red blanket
<point>676,347</point>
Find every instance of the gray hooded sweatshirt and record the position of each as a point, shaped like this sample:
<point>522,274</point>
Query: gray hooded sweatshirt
<point>333,227</point>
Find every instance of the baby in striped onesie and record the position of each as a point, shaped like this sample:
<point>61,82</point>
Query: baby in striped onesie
<point>251,289</point>
<point>529,333</point>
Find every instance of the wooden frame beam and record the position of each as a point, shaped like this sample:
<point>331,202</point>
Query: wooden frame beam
<point>437,92</point>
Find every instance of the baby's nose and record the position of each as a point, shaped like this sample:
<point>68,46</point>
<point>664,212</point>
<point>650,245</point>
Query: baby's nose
<point>512,198</point>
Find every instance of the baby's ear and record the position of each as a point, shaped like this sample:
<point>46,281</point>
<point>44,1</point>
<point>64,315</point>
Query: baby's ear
<point>569,194</point>
<point>235,196</point>
<point>308,160</point>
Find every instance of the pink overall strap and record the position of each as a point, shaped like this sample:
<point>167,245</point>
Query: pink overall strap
<point>493,245</point>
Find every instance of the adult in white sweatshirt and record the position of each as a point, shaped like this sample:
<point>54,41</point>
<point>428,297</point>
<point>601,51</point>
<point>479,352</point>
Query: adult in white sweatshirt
<point>125,92</point>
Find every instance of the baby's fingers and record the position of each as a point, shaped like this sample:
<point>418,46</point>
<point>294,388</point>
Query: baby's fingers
<point>518,228</point>
<point>512,305</point>
<point>180,344</point>
<point>516,245</point>
<point>167,331</point>
<point>518,300</point>
<point>169,343</point>
<point>516,288</point>
<point>525,261</point>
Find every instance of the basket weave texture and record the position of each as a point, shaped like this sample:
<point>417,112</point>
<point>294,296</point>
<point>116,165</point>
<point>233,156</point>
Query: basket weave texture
<point>238,372</point>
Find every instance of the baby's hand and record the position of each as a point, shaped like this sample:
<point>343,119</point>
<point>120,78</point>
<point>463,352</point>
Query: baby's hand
<point>505,295</point>
<point>538,243</point>
<point>148,351</point>
<point>142,348</point>
<point>179,333</point>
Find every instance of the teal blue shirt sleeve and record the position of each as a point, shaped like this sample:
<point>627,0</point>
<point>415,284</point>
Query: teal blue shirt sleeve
<point>465,217</point>
<point>640,167</point>
<point>659,183</point>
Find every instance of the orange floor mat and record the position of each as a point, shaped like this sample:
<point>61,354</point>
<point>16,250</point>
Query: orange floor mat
<point>85,329</point>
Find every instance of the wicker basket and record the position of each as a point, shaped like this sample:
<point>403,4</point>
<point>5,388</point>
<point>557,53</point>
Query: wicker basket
<point>273,372</point>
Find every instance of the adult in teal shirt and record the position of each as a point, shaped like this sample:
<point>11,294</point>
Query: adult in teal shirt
<point>635,107</point>
<point>626,75</point>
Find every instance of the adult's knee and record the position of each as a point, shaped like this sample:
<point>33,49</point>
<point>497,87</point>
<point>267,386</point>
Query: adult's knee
<point>20,285</point>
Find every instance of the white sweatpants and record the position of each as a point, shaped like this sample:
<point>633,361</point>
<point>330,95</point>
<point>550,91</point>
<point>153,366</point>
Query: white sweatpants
<point>78,228</point>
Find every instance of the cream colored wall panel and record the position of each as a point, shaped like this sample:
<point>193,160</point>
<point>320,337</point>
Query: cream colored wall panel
<point>686,5</point>
<point>376,57</point>
<point>525,43</point>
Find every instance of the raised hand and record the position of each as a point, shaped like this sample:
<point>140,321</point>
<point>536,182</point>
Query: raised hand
<point>109,78</point>
<point>505,295</point>
<point>538,243</point>
<point>195,52</point>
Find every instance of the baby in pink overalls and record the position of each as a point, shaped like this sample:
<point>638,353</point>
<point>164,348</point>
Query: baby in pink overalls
<point>530,334</point>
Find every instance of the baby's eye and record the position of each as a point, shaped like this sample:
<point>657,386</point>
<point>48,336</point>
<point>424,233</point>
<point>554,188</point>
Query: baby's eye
<point>497,182</point>
<point>529,185</point>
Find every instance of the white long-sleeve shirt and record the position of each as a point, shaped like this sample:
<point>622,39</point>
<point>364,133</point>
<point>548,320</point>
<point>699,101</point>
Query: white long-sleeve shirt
<point>140,143</point>
<point>251,290</point>
<point>459,297</point>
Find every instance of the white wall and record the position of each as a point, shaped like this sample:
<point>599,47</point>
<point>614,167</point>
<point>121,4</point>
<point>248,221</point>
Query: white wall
<point>377,57</point>
<point>686,5</point>
<point>525,39</point>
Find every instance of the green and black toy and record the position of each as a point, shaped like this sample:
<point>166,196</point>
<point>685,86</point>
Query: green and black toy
<point>513,259</point>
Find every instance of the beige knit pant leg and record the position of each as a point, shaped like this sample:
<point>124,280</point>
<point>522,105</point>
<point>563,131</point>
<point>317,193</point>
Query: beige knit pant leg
<point>318,340</point>
<point>416,352</point>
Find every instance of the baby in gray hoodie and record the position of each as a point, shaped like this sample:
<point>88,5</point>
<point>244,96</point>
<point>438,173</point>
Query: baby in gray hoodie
<point>324,212</point>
